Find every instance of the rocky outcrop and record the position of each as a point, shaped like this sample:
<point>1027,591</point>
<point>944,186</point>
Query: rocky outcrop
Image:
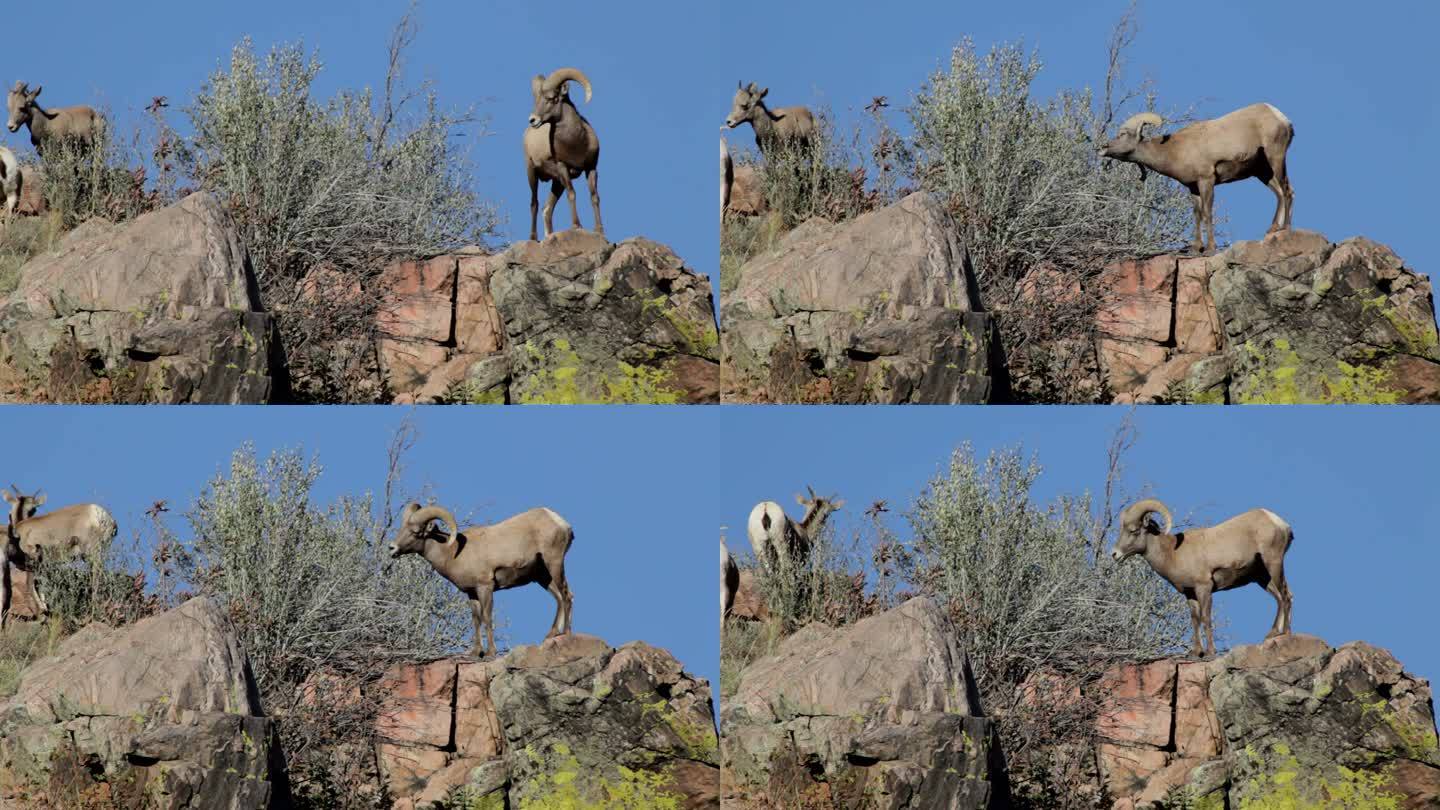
<point>747,192</point>
<point>561,721</point>
<point>879,309</point>
<point>749,604</point>
<point>1292,318</point>
<point>159,310</point>
<point>881,714</point>
<point>165,708</point>
<point>1265,720</point>
<point>572,318</point>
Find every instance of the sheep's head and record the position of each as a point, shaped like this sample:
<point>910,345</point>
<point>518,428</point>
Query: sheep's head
<point>552,93</point>
<point>817,509</point>
<point>22,506</point>
<point>1129,136</point>
<point>19,101</point>
<point>747,104</point>
<point>415,529</point>
<point>1136,528</point>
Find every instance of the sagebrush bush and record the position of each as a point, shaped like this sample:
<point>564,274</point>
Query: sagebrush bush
<point>107,586</point>
<point>1040,608</point>
<point>319,608</point>
<point>1029,193</point>
<point>344,185</point>
<point>104,179</point>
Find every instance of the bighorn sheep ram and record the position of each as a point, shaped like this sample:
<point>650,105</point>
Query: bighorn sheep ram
<point>778,539</point>
<point>1250,142</point>
<point>729,581</point>
<point>71,530</point>
<point>1246,548</point>
<point>560,145</point>
<point>529,547</point>
<point>773,128</point>
<point>81,123</point>
<point>10,180</point>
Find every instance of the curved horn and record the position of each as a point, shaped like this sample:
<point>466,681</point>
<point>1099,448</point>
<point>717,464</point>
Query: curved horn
<point>426,514</point>
<point>1135,122</point>
<point>1143,508</point>
<point>563,75</point>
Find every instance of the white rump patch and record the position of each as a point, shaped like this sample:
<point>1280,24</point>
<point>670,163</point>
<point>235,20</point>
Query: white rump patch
<point>561,522</point>
<point>1278,521</point>
<point>1282,117</point>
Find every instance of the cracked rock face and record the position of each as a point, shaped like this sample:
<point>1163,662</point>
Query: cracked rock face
<point>1293,705</point>
<point>571,713</point>
<point>879,309</point>
<point>572,317</point>
<point>159,310</point>
<point>1292,317</point>
<point>165,707</point>
<point>881,714</point>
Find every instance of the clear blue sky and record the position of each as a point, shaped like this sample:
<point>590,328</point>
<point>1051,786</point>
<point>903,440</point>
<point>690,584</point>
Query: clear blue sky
<point>657,129</point>
<point>636,483</point>
<point>1357,79</point>
<point>1358,485</point>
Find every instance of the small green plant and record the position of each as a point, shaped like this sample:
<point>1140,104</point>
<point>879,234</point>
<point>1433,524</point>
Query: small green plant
<point>23,643</point>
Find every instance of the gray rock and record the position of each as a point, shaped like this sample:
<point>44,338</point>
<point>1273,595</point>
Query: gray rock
<point>880,309</point>
<point>883,713</point>
<point>166,707</point>
<point>162,310</point>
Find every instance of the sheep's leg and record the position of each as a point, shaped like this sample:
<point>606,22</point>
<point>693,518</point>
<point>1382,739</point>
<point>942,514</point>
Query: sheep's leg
<point>593,176</point>
<point>1197,246</point>
<point>4,587</point>
<point>1196,648</point>
<point>480,620</point>
<point>490,621</point>
<point>1207,210</point>
<point>1203,597</point>
<point>477,624</point>
<point>570,195</point>
<point>1280,589</point>
<point>534,198</point>
<point>558,589</point>
<point>1283,191</point>
<point>555,187</point>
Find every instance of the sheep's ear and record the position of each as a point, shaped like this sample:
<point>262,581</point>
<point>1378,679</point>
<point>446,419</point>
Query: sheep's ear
<point>800,499</point>
<point>8,495</point>
<point>1151,526</point>
<point>39,499</point>
<point>836,504</point>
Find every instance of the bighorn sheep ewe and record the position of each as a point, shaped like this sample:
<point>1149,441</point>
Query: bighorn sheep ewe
<point>729,581</point>
<point>778,539</point>
<point>773,128</point>
<point>727,178</point>
<point>559,145</point>
<point>81,123</point>
<point>1250,142</point>
<point>529,547</point>
<point>71,530</point>
<point>1244,549</point>
<point>10,180</point>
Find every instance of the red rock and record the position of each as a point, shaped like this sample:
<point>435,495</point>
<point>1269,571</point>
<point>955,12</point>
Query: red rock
<point>32,192</point>
<point>407,365</point>
<point>1162,781</point>
<point>1127,366</point>
<point>1197,731</point>
<point>477,728</point>
<point>478,329</point>
<point>1158,380</point>
<point>406,769</point>
<point>1124,771</point>
<point>1197,326</point>
<point>420,302</point>
<point>1138,299</point>
<point>1136,702</point>
<point>417,704</point>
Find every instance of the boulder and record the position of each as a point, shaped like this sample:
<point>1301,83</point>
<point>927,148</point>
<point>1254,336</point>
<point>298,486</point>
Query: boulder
<point>879,309</point>
<point>1287,714</point>
<point>165,708</point>
<point>1291,318</point>
<point>561,721</point>
<point>162,309</point>
<point>903,730</point>
<point>572,318</point>
<point>1310,321</point>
